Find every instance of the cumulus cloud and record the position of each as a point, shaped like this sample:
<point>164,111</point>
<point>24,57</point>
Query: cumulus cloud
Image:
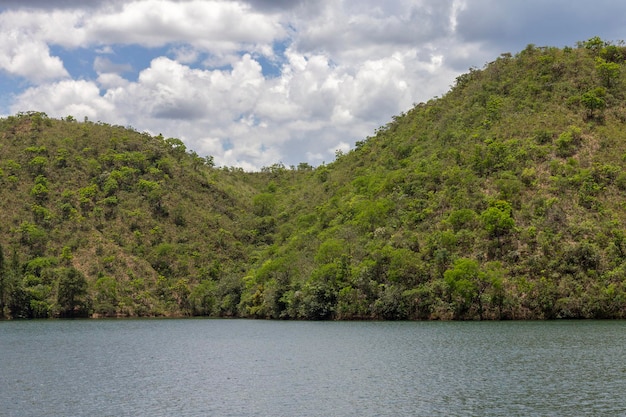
<point>68,97</point>
<point>217,26</point>
<point>111,81</point>
<point>257,82</point>
<point>346,70</point>
<point>25,55</point>
<point>30,59</point>
<point>27,36</point>
<point>372,29</point>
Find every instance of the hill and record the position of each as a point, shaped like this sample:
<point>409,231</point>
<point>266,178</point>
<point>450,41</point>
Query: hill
<point>503,199</point>
<point>100,219</point>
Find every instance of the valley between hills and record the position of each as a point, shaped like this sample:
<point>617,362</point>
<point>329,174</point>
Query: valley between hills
<point>502,199</point>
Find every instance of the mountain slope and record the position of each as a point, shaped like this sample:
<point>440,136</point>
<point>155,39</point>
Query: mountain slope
<point>503,199</point>
<point>129,223</point>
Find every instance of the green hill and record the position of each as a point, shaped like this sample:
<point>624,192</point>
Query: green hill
<point>503,199</point>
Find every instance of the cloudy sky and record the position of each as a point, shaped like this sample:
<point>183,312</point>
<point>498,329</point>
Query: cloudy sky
<point>258,82</point>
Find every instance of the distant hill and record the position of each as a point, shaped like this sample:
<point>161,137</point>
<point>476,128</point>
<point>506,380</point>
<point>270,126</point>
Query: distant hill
<point>503,199</point>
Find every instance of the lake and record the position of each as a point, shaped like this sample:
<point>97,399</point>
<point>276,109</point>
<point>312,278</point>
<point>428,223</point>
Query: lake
<point>205,367</point>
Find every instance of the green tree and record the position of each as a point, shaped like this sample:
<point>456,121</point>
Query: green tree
<point>106,298</point>
<point>318,301</point>
<point>154,193</point>
<point>594,44</point>
<point>72,293</point>
<point>32,236</point>
<point>390,305</point>
<point>594,102</point>
<point>499,223</point>
<point>568,142</point>
<point>178,147</point>
<point>472,289</point>
<point>330,250</point>
<point>38,165</point>
<point>180,292</point>
<point>497,219</point>
<point>608,71</point>
<point>202,299</point>
<point>462,219</point>
<point>263,204</point>
<point>40,189</point>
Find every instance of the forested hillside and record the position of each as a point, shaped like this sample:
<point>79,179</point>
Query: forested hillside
<point>503,199</point>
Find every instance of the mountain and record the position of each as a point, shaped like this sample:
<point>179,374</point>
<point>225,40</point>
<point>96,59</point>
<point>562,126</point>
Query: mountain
<point>503,199</point>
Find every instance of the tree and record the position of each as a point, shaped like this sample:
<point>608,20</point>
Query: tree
<point>32,236</point>
<point>612,53</point>
<point>38,165</point>
<point>318,301</point>
<point>471,287</point>
<point>593,101</point>
<point>568,142</point>
<point>40,189</point>
<point>202,299</point>
<point>390,305</point>
<point>594,44</point>
<point>497,219</point>
<point>180,292</point>
<point>106,298</point>
<point>178,146</point>
<point>608,72</point>
<point>72,293</point>
<point>154,194</point>
<point>499,223</point>
<point>263,204</point>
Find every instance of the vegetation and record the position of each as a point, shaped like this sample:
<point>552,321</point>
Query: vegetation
<point>503,199</point>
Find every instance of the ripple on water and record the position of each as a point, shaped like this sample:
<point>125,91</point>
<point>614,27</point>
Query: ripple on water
<point>266,368</point>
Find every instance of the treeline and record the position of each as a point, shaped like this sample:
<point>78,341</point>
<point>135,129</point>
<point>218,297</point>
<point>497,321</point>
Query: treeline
<point>503,199</point>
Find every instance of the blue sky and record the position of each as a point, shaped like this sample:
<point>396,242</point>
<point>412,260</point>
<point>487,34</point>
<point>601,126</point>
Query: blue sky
<point>259,82</point>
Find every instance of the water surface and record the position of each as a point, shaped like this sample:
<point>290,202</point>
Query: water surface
<point>275,368</point>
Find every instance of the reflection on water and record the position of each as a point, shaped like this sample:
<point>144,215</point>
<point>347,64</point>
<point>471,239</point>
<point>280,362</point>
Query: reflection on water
<point>271,368</point>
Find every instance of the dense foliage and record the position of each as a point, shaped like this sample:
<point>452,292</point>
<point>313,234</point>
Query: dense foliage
<point>503,199</point>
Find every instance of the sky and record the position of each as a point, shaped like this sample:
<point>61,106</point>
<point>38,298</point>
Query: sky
<point>259,82</point>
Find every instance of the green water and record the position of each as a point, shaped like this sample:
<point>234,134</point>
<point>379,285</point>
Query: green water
<point>276,368</point>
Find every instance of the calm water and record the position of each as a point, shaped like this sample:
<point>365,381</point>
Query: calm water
<point>270,368</point>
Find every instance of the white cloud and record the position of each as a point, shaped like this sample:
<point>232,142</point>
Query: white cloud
<point>104,65</point>
<point>372,29</point>
<point>24,55</point>
<point>217,26</point>
<point>337,69</point>
<point>26,37</point>
<point>30,59</point>
<point>68,97</point>
<point>342,76</point>
<point>110,81</point>
<point>60,27</point>
<point>185,54</point>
